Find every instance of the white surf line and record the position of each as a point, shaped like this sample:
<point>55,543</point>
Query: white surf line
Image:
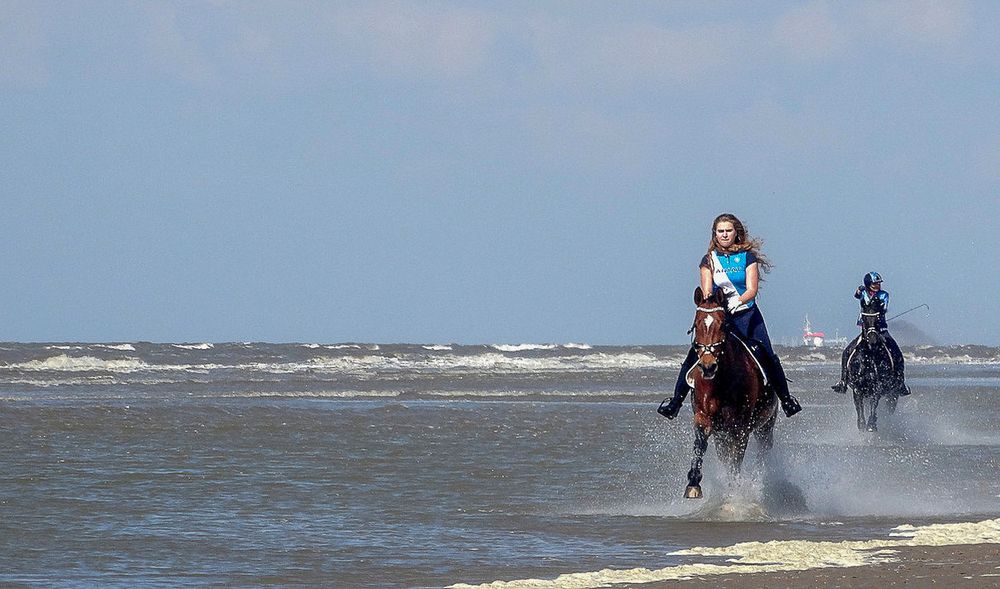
<point>774,556</point>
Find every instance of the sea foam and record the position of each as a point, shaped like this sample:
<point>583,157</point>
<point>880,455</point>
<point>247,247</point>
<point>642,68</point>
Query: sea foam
<point>523,347</point>
<point>774,556</point>
<point>64,363</point>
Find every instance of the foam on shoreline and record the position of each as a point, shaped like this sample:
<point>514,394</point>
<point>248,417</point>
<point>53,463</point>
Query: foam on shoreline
<point>773,556</point>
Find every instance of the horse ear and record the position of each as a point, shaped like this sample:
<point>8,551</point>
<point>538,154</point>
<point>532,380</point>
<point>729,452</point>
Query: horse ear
<point>720,296</point>
<point>698,295</point>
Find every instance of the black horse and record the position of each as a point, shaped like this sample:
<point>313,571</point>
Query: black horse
<point>872,370</point>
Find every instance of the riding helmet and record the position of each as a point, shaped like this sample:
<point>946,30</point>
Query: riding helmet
<point>872,277</point>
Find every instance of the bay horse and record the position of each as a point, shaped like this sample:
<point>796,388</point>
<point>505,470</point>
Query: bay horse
<point>871,370</point>
<point>731,399</point>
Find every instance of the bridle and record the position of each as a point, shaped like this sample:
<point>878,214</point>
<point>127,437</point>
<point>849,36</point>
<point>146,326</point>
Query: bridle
<point>873,328</point>
<point>714,348</point>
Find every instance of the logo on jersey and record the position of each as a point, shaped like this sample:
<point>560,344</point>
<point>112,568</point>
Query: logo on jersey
<point>735,267</point>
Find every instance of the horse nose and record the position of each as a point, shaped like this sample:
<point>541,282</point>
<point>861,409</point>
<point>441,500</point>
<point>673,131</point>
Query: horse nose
<point>708,368</point>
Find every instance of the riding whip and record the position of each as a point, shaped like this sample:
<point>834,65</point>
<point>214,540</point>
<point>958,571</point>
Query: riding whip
<point>908,310</point>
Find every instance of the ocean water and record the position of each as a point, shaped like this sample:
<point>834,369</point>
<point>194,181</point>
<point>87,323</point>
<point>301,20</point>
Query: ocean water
<point>362,465</point>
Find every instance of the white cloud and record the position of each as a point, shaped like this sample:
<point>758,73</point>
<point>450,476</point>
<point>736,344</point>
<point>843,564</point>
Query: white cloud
<point>825,30</point>
<point>178,54</point>
<point>648,50</point>
<point>932,22</point>
<point>549,48</point>
<point>414,39</point>
<point>810,32</point>
<point>633,52</point>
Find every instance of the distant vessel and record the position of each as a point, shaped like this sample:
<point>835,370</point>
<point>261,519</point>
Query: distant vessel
<point>817,339</point>
<point>810,338</point>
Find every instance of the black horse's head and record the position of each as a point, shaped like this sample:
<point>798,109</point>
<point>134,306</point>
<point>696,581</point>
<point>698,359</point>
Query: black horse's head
<point>709,330</point>
<point>871,313</point>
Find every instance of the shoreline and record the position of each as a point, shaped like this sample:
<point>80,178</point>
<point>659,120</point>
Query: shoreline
<point>910,556</point>
<point>961,565</point>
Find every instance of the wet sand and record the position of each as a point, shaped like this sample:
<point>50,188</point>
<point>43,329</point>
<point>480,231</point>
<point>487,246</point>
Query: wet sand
<point>968,565</point>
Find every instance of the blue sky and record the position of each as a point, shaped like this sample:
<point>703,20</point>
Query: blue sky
<point>480,172</point>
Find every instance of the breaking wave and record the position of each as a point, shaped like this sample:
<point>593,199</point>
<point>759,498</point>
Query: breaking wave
<point>423,368</point>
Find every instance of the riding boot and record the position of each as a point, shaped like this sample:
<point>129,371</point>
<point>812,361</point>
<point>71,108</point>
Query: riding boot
<point>778,381</point>
<point>901,389</point>
<point>841,387</point>
<point>670,407</point>
<point>899,385</point>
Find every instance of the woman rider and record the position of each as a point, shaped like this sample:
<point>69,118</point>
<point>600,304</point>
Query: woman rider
<point>872,291</point>
<point>733,263</point>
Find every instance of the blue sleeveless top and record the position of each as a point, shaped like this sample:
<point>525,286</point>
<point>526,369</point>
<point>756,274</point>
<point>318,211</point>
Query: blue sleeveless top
<point>731,276</point>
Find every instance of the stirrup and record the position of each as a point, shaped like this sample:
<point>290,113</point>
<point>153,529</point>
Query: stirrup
<point>669,408</point>
<point>790,406</point>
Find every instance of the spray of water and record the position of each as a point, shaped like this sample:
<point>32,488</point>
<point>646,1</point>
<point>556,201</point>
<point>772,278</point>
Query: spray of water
<point>926,460</point>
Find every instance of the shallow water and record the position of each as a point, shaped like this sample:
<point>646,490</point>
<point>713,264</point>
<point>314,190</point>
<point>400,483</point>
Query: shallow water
<point>505,473</point>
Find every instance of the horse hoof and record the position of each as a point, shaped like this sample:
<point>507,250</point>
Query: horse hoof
<point>693,492</point>
<point>872,428</point>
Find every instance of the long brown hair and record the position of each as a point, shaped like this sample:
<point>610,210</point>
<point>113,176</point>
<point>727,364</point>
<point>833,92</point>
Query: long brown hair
<point>744,242</point>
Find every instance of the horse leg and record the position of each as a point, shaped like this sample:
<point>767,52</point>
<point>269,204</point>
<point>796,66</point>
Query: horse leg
<point>730,447</point>
<point>765,441</point>
<point>735,452</point>
<point>859,406</point>
<point>873,413</point>
<point>890,404</point>
<point>693,490</point>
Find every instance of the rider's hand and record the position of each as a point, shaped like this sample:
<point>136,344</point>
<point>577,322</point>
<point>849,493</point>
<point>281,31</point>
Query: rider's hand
<point>733,304</point>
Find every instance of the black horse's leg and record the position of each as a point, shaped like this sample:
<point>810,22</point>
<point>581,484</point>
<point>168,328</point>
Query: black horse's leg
<point>873,412</point>
<point>879,385</point>
<point>693,490</point>
<point>859,406</point>
<point>890,404</point>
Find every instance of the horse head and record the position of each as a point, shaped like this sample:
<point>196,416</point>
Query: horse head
<point>709,330</point>
<point>870,313</point>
